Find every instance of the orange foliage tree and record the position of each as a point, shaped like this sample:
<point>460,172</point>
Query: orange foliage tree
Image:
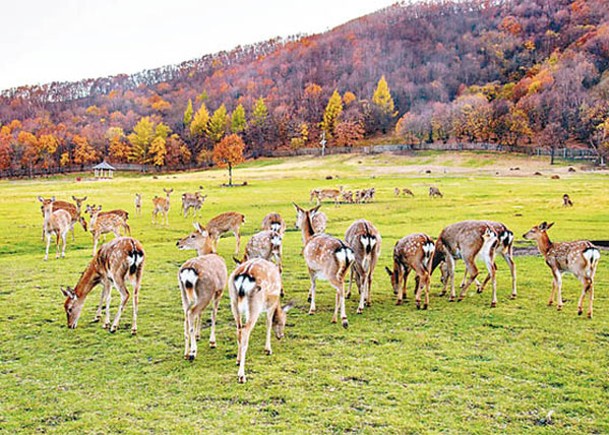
<point>83,152</point>
<point>228,153</point>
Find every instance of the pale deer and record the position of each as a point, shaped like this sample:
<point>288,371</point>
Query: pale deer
<point>274,222</point>
<point>321,194</point>
<point>117,262</point>
<point>318,219</point>
<point>465,240</point>
<point>265,244</point>
<point>56,222</point>
<point>254,287</point>
<point>73,210</point>
<point>202,280</point>
<point>223,223</point>
<point>138,204</point>
<point>103,223</point>
<point>123,214</point>
<point>192,201</point>
<point>566,201</point>
<point>413,252</point>
<point>365,241</point>
<point>579,258</point>
<point>435,192</point>
<point>327,258</point>
<point>161,205</point>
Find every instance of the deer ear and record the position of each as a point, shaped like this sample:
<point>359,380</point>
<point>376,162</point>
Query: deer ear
<point>237,261</point>
<point>84,199</point>
<point>314,210</point>
<point>52,199</point>
<point>41,199</point>
<point>287,307</point>
<point>549,226</point>
<point>200,228</point>
<point>67,292</point>
<point>543,225</point>
<point>389,271</point>
<point>295,205</point>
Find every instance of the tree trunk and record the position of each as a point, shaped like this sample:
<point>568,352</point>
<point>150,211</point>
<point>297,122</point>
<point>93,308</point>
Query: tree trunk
<point>230,174</point>
<point>552,149</point>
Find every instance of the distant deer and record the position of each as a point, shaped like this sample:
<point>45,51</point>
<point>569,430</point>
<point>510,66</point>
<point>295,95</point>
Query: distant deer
<point>56,222</point>
<point>365,241</point>
<point>566,201</point>
<point>73,210</point>
<point>138,204</point>
<point>265,244</point>
<point>161,205</point>
<point>274,222</point>
<point>223,223</point>
<point>413,252</point>
<point>202,280</point>
<point>318,218</point>
<point>117,261</point>
<point>465,240</point>
<point>123,214</point>
<point>435,192</point>
<point>254,287</point>
<point>321,194</point>
<point>580,258</point>
<point>405,191</point>
<point>328,258</point>
<point>104,223</point>
<point>192,201</point>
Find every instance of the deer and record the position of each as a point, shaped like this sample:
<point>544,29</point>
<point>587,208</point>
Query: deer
<point>365,241</point>
<point>255,286</point>
<point>566,201</point>
<point>318,219</point>
<point>413,252</point>
<point>123,214</point>
<point>56,222</point>
<point>116,263</point>
<point>579,258</point>
<point>274,222</point>
<point>73,210</point>
<point>264,244</point>
<point>328,258</point>
<point>138,204</point>
<point>161,205</point>
<point>435,192</point>
<point>223,223</point>
<point>192,201</point>
<point>321,194</point>
<point>202,280</point>
<point>465,240</point>
<point>103,223</point>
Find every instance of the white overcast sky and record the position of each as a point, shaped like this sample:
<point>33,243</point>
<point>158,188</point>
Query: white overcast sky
<point>65,40</point>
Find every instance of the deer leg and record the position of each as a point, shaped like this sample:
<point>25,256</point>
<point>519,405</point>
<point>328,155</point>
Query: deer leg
<point>186,326</point>
<point>363,293</point>
<point>450,274</point>
<point>64,236</point>
<point>234,307</point>
<point>473,273</point>
<point>427,285</point>
<point>369,290</point>
<point>105,292</point>
<point>57,244</point>
<point>340,303</point>
<point>312,292</point>
<point>122,288</point>
<point>348,295</point>
<point>559,302</point>
<point>402,289</point>
<point>269,328</point>
<point>191,317</point>
<point>507,256</point>
<point>590,298</point>
<point>136,297</point>
<point>214,313</point>
<point>491,268</point>
<point>238,237</point>
<point>245,338</point>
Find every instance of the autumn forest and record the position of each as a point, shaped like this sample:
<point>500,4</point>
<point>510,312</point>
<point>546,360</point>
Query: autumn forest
<point>529,73</point>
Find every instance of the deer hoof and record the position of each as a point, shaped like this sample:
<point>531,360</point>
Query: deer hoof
<point>96,319</point>
<point>359,311</point>
<point>493,304</point>
<point>191,357</point>
<point>418,305</point>
<point>368,303</point>
<point>425,306</point>
<point>348,296</point>
<point>399,302</point>
<point>242,379</point>
<point>345,323</point>
<point>106,325</point>
<point>212,344</point>
<point>134,332</point>
<point>311,312</point>
<point>268,351</point>
<point>558,307</point>
<point>451,299</point>
<point>580,312</point>
<point>479,290</point>
<point>441,294</point>
<point>589,315</point>
<point>512,297</point>
<point>309,299</point>
<point>112,330</point>
<point>550,303</point>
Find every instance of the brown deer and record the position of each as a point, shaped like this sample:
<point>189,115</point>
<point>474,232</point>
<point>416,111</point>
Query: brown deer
<point>580,258</point>
<point>465,240</point>
<point>435,192</point>
<point>73,210</point>
<point>223,223</point>
<point>264,244</point>
<point>321,194</point>
<point>274,222</point>
<point>138,204</point>
<point>161,205</point>
<point>413,252</point>
<point>254,287</point>
<point>202,280</point>
<point>117,262</point>
<point>365,241</point>
<point>192,201</point>
<point>123,214</point>
<point>56,222</point>
<point>566,201</point>
<point>328,258</point>
<point>319,219</point>
<point>103,223</point>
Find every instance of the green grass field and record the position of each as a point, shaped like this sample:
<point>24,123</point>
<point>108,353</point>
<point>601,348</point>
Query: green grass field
<point>456,368</point>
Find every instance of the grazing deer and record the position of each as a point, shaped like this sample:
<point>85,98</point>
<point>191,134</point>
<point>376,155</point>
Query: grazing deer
<point>465,240</point>
<point>365,241</point>
<point>566,201</point>
<point>347,197</point>
<point>321,194</point>
<point>138,204</point>
<point>161,205</point>
<point>412,252</point>
<point>192,201</point>
<point>254,287</point>
<point>223,223</point>
<point>56,222</point>
<point>580,258</point>
<point>328,258</point>
<point>105,222</point>
<point>407,192</point>
<point>117,261</point>
<point>318,219</point>
<point>435,192</point>
<point>265,244</point>
<point>274,222</point>
<point>202,280</point>
<point>73,210</point>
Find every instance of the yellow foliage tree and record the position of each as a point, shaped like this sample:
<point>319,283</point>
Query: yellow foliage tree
<point>229,153</point>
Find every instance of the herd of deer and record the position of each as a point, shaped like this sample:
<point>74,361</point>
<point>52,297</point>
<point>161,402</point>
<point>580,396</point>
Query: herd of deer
<point>255,285</point>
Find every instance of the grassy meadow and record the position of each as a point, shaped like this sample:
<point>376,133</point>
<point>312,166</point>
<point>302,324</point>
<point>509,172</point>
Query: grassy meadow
<point>455,368</point>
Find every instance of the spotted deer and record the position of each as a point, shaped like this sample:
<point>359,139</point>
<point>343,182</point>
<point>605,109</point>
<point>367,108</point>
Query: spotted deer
<point>192,201</point>
<point>320,194</point>
<point>123,214</point>
<point>116,263</point>
<point>202,280</point>
<point>365,241</point>
<point>327,258</point>
<point>318,218</point>
<point>579,258</point>
<point>74,210</point>
<point>161,205</point>
<point>223,223</point>
<point>265,244</point>
<point>56,222</point>
<point>465,240</point>
<point>138,204</point>
<point>104,223</point>
<point>254,287</point>
<point>413,252</point>
<point>274,222</point>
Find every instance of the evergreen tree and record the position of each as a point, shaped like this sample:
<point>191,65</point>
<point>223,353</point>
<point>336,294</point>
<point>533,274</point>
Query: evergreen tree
<point>238,122</point>
<point>332,113</point>
<point>217,124</point>
<point>383,106</point>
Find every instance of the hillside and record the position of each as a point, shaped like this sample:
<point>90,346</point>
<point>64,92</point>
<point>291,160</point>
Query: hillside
<point>504,71</point>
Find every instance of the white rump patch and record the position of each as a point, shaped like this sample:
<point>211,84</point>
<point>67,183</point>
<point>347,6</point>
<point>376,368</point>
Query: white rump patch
<point>350,255</point>
<point>592,255</point>
<point>365,241</point>
<point>275,226</point>
<point>341,255</point>
<point>244,284</point>
<point>428,248</point>
<point>276,241</point>
<point>188,277</point>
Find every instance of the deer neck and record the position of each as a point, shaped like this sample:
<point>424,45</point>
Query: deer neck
<point>307,228</point>
<point>206,248</point>
<point>89,279</point>
<point>544,244</point>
